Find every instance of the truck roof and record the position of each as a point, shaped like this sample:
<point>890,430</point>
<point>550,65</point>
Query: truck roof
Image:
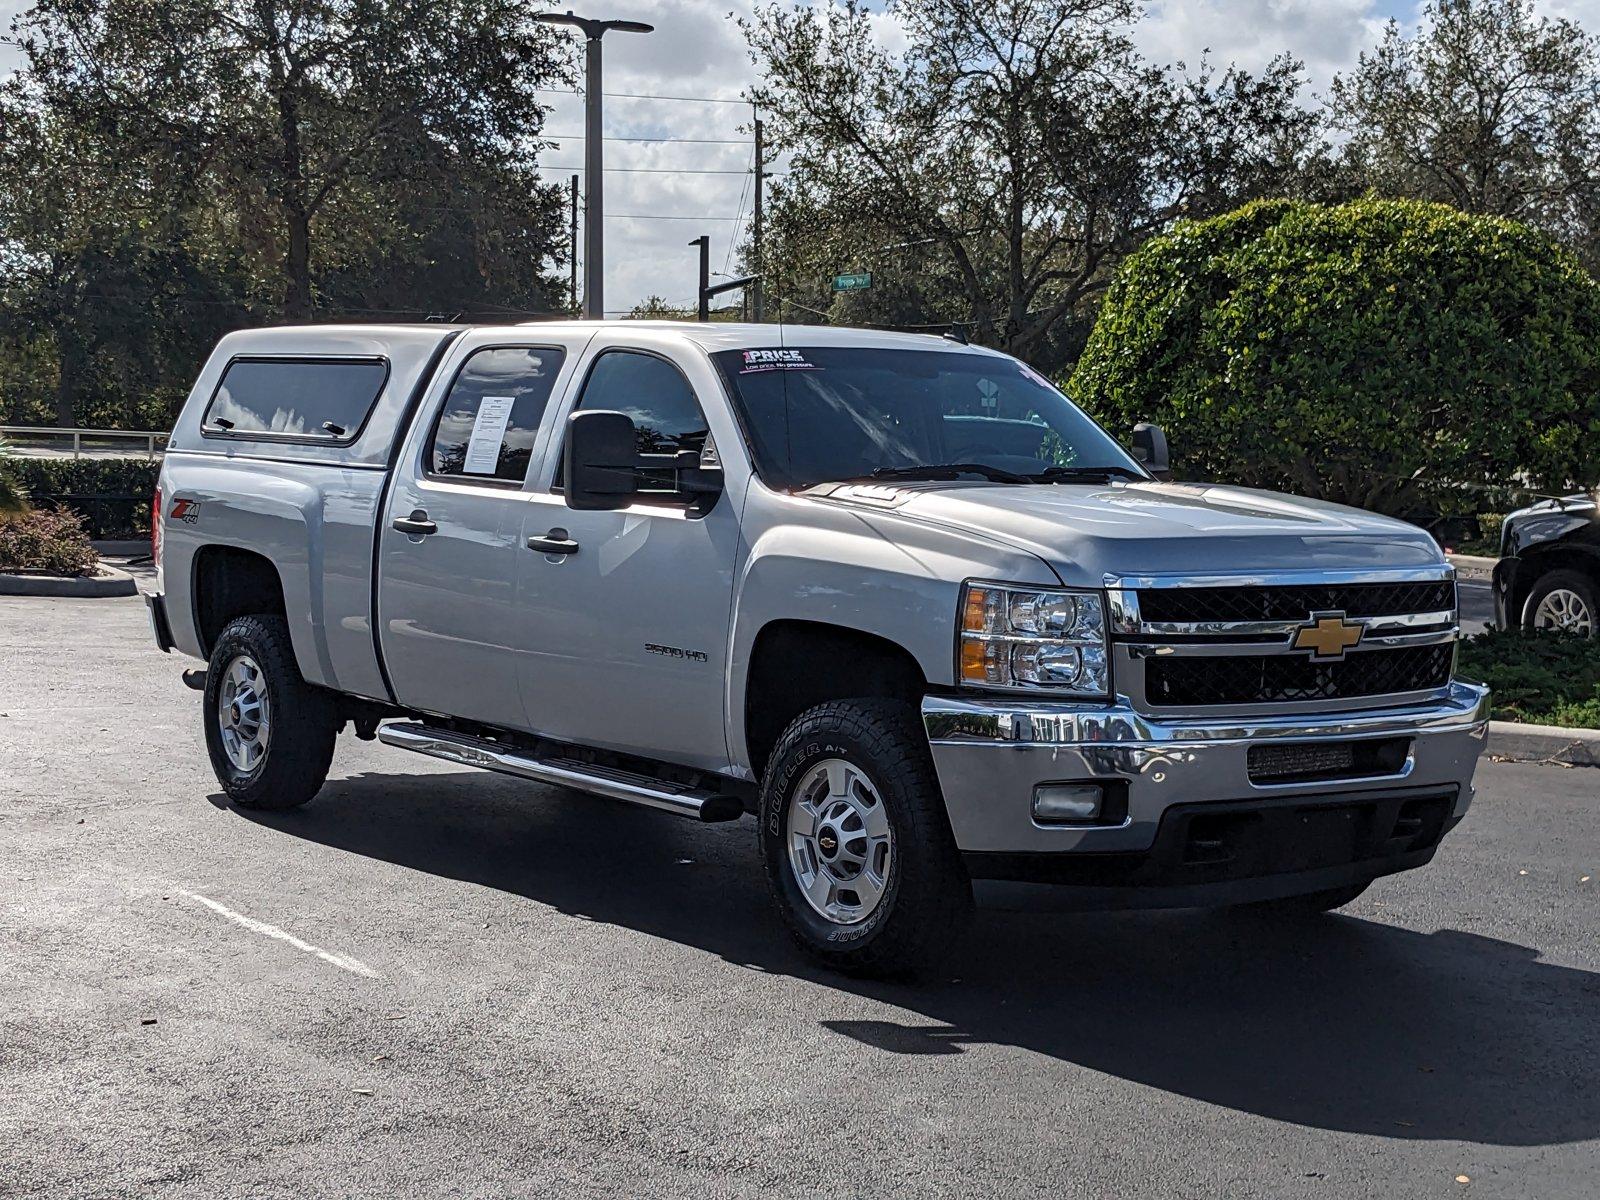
<point>711,335</point>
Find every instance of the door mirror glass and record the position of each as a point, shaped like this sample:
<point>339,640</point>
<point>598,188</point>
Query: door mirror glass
<point>1150,448</point>
<point>600,462</point>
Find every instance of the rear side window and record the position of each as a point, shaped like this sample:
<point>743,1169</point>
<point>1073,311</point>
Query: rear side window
<point>316,399</point>
<point>492,414</point>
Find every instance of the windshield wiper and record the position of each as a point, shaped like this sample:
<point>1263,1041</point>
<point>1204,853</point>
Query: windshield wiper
<point>1061,474</point>
<point>949,471</point>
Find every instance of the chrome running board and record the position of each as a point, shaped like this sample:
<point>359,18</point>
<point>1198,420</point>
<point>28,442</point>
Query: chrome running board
<point>696,803</point>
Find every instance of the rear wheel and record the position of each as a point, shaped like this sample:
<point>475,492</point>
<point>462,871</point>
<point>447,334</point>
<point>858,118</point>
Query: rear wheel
<point>269,733</point>
<point>854,839</point>
<point>1563,601</point>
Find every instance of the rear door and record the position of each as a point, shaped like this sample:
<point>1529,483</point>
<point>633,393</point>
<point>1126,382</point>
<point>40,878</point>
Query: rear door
<point>449,549</point>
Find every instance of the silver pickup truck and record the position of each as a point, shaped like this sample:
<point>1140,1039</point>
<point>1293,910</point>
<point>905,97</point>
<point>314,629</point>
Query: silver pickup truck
<point>894,595</point>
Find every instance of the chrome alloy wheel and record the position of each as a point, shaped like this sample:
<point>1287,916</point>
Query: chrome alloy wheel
<point>841,848</point>
<point>1564,611</point>
<point>243,713</point>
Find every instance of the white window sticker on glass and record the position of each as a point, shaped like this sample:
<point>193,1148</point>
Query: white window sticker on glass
<point>488,431</point>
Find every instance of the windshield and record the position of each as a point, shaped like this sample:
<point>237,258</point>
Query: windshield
<point>824,413</point>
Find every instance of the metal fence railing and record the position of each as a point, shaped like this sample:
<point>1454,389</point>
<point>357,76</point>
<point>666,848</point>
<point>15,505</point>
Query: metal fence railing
<point>36,441</point>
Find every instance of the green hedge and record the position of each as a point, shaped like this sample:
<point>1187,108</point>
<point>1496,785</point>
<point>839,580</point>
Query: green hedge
<point>1373,353</point>
<point>111,494</point>
<point>1545,678</point>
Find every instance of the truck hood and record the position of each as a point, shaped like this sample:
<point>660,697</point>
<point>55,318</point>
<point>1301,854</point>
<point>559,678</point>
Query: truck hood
<point>1086,533</point>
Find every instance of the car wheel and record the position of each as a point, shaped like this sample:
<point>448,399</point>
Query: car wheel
<point>1563,601</point>
<point>269,733</point>
<point>855,843</point>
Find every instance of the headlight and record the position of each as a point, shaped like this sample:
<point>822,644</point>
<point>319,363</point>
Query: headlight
<point>1050,639</point>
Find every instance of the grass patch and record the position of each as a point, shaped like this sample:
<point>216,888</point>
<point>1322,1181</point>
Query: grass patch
<point>1543,678</point>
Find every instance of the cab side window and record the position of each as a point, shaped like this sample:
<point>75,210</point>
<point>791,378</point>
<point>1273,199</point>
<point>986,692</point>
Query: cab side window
<point>486,428</point>
<point>663,408</point>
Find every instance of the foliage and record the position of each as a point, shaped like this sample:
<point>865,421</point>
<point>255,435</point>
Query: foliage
<point>47,539</point>
<point>171,171</point>
<point>13,496</point>
<point>1370,353</point>
<point>1015,149</point>
<point>1545,678</point>
<point>1487,108</point>
<point>111,494</point>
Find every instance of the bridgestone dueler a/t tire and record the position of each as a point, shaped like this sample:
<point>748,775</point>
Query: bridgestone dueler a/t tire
<point>927,897</point>
<point>303,726</point>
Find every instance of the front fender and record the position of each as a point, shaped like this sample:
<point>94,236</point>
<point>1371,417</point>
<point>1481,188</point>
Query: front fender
<point>872,572</point>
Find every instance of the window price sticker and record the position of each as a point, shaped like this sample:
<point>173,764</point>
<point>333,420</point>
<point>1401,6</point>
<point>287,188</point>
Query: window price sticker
<point>775,360</point>
<point>488,431</point>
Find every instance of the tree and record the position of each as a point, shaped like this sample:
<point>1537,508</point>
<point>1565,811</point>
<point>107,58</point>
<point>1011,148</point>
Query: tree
<point>173,170</point>
<point>1487,108</point>
<point>1026,143</point>
<point>1379,353</point>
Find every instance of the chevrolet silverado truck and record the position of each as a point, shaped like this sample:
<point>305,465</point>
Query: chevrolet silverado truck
<point>893,595</point>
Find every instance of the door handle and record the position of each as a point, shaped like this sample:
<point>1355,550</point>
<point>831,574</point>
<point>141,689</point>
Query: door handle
<point>554,542</point>
<point>416,525</point>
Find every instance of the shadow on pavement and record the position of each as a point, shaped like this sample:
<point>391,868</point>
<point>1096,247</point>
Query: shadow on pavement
<point>1337,1022</point>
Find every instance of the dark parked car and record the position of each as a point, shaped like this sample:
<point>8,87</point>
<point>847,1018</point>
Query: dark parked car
<point>1548,576</point>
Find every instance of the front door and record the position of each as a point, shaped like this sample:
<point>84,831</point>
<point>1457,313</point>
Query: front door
<point>450,549</point>
<point>628,632</point>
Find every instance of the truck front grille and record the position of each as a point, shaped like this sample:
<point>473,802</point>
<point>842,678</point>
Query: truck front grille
<point>1211,604</point>
<point>1182,682</point>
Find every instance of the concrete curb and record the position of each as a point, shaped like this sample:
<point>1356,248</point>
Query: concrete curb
<point>107,581</point>
<point>120,547</point>
<point>1472,567</point>
<point>1544,743</point>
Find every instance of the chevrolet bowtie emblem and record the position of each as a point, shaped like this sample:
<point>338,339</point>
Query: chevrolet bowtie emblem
<point>1327,635</point>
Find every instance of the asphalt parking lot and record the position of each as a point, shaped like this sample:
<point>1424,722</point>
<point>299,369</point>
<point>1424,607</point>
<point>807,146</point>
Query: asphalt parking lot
<point>433,981</point>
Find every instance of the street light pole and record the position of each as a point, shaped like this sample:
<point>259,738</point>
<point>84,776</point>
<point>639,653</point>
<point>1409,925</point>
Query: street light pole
<point>703,305</point>
<point>594,303</point>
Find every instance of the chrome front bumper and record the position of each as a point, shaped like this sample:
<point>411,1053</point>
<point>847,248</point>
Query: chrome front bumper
<point>990,754</point>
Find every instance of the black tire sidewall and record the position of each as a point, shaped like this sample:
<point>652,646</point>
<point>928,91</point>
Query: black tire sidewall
<point>239,638</point>
<point>1570,580</point>
<point>304,723</point>
<point>790,764</point>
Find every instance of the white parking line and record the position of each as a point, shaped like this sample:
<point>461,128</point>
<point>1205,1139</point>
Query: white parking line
<point>354,965</point>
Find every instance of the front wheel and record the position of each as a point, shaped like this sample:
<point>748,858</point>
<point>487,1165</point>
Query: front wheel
<point>855,842</point>
<point>269,733</point>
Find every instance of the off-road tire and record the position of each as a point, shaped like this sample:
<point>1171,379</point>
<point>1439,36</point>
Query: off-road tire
<point>299,747</point>
<point>927,897</point>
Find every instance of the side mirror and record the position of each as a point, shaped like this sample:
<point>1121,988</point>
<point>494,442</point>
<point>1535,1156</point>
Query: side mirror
<point>599,459</point>
<point>1150,448</point>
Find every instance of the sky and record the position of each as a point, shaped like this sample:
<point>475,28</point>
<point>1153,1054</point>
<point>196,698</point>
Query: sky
<point>697,51</point>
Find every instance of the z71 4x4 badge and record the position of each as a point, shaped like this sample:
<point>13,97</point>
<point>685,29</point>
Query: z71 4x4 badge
<point>187,511</point>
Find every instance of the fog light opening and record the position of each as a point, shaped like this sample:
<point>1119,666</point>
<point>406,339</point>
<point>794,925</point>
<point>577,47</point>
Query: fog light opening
<point>1068,803</point>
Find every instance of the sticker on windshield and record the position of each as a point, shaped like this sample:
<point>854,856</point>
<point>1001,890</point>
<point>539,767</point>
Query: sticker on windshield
<point>776,360</point>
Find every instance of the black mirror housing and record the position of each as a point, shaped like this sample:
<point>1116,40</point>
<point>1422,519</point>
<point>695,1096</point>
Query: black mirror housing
<point>599,460</point>
<point>1150,448</point>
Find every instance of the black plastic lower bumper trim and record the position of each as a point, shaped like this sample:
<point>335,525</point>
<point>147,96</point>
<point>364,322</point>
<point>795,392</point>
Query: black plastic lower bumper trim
<point>1233,852</point>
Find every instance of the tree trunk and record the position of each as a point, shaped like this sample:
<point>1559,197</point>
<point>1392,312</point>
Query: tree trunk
<point>69,374</point>
<point>297,265</point>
